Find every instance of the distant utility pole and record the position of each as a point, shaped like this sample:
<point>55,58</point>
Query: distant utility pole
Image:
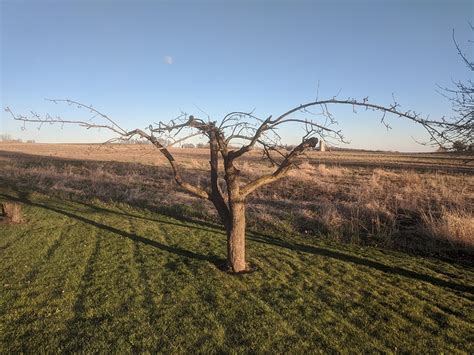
<point>322,146</point>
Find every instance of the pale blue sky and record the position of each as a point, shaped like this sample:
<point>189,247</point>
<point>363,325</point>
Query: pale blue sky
<point>143,61</point>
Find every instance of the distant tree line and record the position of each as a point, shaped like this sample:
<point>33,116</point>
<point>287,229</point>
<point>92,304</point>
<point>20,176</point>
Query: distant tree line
<point>9,138</point>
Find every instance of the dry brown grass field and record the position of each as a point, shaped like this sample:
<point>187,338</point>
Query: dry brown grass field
<point>418,203</point>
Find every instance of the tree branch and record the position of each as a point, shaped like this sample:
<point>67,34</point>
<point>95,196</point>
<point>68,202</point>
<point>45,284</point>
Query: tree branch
<point>124,135</point>
<point>282,170</point>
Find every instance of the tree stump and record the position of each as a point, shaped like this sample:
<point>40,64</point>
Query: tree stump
<point>11,212</point>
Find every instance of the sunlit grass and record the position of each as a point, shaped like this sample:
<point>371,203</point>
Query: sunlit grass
<point>109,278</point>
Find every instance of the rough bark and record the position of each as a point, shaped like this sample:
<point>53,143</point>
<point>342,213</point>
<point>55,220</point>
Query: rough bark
<point>236,238</point>
<point>236,226</point>
<point>216,194</point>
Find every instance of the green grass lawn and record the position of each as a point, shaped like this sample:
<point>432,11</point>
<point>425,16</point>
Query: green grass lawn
<point>108,278</point>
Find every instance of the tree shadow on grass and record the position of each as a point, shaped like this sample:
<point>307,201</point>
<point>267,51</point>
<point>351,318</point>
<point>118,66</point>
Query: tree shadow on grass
<point>122,233</point>
<point>394,270</point>
<point>203,225</point>
<point>266,239</point>
<point>255,237</point>
<point>52,176</point>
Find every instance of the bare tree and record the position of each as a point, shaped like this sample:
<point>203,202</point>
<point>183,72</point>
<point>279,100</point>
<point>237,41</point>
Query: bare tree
<point>461,97</point>
<point>235,135</point>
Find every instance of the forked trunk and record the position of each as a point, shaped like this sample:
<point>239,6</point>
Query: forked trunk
<point>236,238</point>
<point>231,213</point>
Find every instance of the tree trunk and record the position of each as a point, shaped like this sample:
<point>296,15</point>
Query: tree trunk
<point>236,238</point>
<point>12,212</point>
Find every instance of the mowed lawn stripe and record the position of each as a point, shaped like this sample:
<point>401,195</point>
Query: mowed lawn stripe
<point>150,262</point>
<point>178,271</point>
<point>30,247</point>
<point>46,301</point>
<point>175,307</point>
<point>22,260</point>
<point>247,303</point>
<point>10,236</point>
<point>348,282</point>
<point>137,281</point>
<point>107,305</point>
<point>300,290</point>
